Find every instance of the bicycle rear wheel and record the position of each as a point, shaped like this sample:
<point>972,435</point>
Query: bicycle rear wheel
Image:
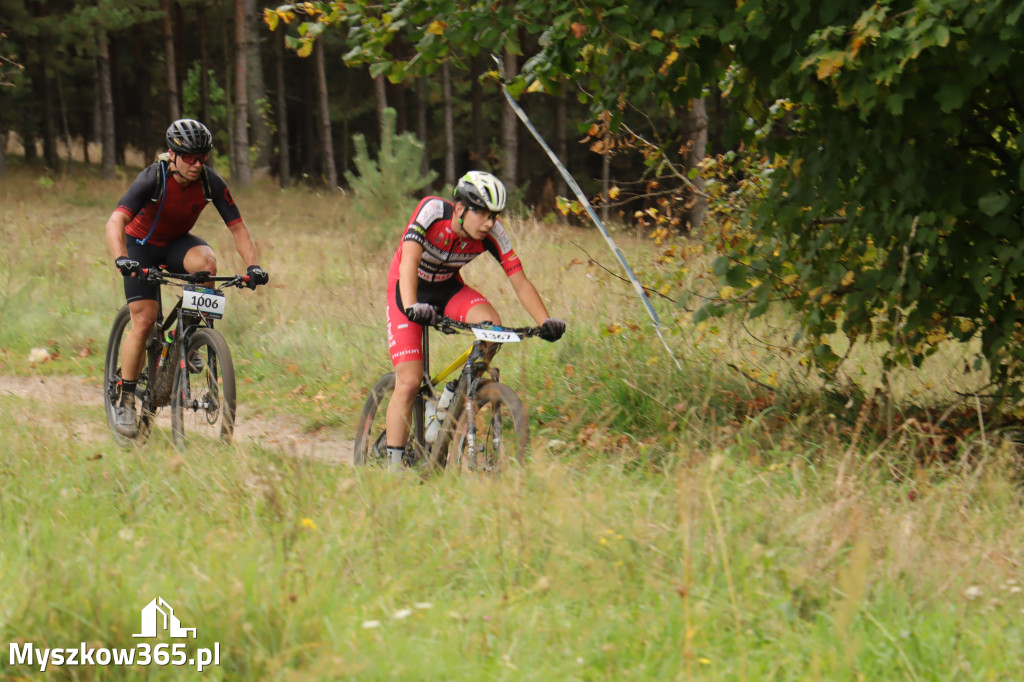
<point>112,377</point>
<point>502,435</point>
<point>203,403</point>
<point>370,446</point>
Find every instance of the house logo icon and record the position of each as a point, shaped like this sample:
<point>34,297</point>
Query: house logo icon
<point>158,615</point>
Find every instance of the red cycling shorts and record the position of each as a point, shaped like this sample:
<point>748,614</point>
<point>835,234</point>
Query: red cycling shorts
<point>405,338</point>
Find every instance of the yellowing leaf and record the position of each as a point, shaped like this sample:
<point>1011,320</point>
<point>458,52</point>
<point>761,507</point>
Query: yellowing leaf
<point>936,336</point>
<point>856,44</point>
<point>727,292</point>
<point>613,193</point>
<point>797,167</point>
<point>657,34</point>
<point>436,27</point>
<point>829,64</point>
<point>306,49</point>
<point>271,19</point>
<point>669,61</point>
<point>966,326</point>
<point>848,278</point>
<point>790,278</point>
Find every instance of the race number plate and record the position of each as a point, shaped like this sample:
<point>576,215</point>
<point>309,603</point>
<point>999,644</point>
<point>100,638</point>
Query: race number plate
<point>204,301</point>
<point>496,335</point>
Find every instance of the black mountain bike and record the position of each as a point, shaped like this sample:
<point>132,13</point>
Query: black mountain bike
<point>187,365</point>
<point>484,428</point>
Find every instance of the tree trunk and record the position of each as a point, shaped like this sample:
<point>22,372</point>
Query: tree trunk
<point>243,172</point>
<point>380,94</point>
<point>398,97</point>
<point>307,152</point>
<point>106,98</point>
<point>478,155</point>
<point>509,131</point>
<point>606,184</point>
<point>173,96</point>
<point>330,170</point>
<point>50,155</point>
<point>694,123</point>
<point>65,130</point>
<point>284,173</point>
<point>449,125</point>
<point>561,140</point>
<point>421,122</point>
<point>229,97</point>
<point>28,142</point>
<point>258,125</point>
<point>3,152</point>
<point>120,122</point>
<point>152,137</point>
<point>204,68</point>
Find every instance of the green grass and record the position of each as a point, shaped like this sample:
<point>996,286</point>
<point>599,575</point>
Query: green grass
<point>671,524</point>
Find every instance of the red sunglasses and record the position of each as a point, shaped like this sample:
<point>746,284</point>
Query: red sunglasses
<point>193,159</point>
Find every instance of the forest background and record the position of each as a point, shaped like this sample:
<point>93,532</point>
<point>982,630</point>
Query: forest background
<point>860,165</point>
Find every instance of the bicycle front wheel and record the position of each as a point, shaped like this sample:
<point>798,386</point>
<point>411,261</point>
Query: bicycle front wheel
<point>203,403</point>
<point>112,378</point>
<point>501,435</point>
<point>370,447</point>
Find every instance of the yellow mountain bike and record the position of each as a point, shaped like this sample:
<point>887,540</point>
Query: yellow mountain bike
<point>484,426</point>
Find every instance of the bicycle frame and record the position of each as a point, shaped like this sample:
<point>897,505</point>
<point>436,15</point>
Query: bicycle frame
<point>475,388</point>
<point>474,363</point>
<point>162,373</point>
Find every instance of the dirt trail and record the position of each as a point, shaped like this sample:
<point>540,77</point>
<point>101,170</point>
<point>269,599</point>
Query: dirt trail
<point>277,433</point>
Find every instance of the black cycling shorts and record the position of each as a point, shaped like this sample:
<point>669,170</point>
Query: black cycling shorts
<point>149,256</point>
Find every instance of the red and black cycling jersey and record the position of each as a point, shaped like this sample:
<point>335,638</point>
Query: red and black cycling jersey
<point>180,209</point>
<point>444,252</point>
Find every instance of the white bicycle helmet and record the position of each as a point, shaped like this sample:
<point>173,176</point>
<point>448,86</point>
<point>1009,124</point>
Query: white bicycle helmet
<point>481,190</point>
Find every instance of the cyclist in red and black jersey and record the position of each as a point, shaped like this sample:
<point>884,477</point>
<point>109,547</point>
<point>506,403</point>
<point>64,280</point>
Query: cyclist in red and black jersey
<point>424,280</point>
<point>152,225</point>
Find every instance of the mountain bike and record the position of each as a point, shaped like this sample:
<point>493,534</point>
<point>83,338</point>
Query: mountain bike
<point>483,429</point>
<point>187,362</point>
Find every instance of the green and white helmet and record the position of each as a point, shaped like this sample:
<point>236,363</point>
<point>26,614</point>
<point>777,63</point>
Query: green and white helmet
<point>481,190</point>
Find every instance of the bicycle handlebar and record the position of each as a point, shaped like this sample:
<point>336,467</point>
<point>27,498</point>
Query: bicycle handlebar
<point>449,326</point>
<point>161,276</point>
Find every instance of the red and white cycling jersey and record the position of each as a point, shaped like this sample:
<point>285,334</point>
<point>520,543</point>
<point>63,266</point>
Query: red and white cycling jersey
<point>444,253</point>
<point>440,284</point>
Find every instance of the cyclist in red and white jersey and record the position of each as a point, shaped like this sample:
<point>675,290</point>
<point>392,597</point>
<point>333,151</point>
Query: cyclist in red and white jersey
<point>152,226</point>
<point>424,281</point>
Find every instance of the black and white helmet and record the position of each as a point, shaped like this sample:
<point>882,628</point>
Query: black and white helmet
<point>189,136</point>
<point>481,190</point>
